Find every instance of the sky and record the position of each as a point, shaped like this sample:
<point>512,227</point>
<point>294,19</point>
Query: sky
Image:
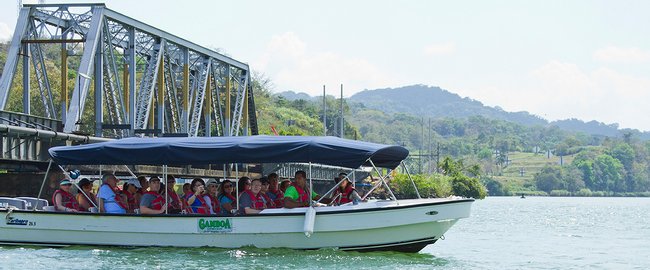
<point>588,60</point>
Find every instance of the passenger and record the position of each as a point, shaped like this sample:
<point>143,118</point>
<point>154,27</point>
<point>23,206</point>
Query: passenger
<point>226,198</point>
<point>296,194</point>
<point>286,183</point>
<point>175,204</point>
<point>345,192</point>
<point>144,186</point>
<point>86,188</point>
<point>130,188</point>
<point>274,191</point>
<point>265,188</point>
<point>187,191</point>
<point>250,201</point>
<point>243,184</point>
<point>62,199</point>
<point>152,202</point>
<point>211,197</point>
<point>109,199</point>
<point>197,203</point>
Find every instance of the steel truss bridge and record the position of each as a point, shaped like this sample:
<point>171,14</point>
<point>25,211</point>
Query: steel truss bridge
<point>142,80</point>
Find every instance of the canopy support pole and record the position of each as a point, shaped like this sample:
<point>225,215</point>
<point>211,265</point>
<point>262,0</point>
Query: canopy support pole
<point>164,169</point>
<point>412,182</point>
<point>237,186</point>
<point>131,172</point>
<point>310,187</point>
<point>78,187</point>
<point>381,181</point>
<point>49,165</point>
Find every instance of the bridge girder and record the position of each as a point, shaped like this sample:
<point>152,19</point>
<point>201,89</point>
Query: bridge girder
<point>145,80</point>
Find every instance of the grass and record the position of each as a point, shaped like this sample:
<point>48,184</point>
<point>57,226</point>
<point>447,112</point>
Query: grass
<point>530,163</point>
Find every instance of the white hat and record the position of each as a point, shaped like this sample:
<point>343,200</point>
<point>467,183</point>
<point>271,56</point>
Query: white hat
<point>134,182</point>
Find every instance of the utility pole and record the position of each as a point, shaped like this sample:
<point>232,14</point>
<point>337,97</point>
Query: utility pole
<point>324,113</point>
<point>341,135</point>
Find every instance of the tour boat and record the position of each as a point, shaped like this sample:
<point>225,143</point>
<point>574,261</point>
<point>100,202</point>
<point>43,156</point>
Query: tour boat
<point>406,225</point>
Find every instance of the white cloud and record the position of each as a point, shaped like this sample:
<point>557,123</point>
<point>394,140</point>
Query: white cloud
<point>623,55</point>
<point>440,49</point>
<point>560,90</point>
<point>5,32</point>
<point>292,65</point>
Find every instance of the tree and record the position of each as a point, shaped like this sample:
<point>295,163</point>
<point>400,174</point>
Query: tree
<point>608,174</point>
<point>549,178</point>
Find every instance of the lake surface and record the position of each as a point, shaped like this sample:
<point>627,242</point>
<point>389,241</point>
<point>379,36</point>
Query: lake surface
<point>503,233</point>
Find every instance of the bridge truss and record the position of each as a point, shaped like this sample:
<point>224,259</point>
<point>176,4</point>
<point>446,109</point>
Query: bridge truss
<point>142,80</point>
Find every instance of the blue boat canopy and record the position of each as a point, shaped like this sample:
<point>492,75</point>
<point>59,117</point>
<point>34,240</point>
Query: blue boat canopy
<point>223,150</point>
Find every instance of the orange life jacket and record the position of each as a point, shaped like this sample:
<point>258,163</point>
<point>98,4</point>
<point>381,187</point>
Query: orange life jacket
<point>279,198</point>
<point>67,200</point>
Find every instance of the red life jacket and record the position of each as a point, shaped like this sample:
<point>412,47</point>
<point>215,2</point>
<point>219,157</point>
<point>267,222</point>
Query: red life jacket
<point>302,195</point>
<point>200,209</point>
<point>158,202</point>
<point>175,202</point>
<point>130,201</point>
<point>345,195</point>
<point>67,200</point>
<point>118,198</point>
<point>279,198</point>
<point>215,204</point>
<point>257,201</point>
<point>267,199</point>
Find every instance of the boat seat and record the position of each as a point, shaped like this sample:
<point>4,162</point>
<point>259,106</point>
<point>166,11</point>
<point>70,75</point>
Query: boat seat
<point>34,203</point>
<point>49,208</point>
<point>6,202</point>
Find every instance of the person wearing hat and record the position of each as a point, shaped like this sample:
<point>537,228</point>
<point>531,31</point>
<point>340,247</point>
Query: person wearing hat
<point>85,196</point>
<point>62,199</point>
<point>345,192</point>
<point>152,202</point>
<point>211,196</point>
<point>129,189</point>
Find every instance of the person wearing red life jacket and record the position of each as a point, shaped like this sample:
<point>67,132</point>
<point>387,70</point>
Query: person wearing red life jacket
<point>297,194</point>
<point>175,204</point>
<point>109,198</point>
<point>152,202</point>
<point>274,192</point>
<point>265,189</point>
<point>227,198</point>
<point>62,199</point>
<point>130,189</point>
<point>144,185</point>
<point>345,192</point>
<point>251,201</point>
<point>210,197</point>
<point>196,200</point>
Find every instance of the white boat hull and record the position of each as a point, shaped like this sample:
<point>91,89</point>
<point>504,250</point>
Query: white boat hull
<point>406,225</point>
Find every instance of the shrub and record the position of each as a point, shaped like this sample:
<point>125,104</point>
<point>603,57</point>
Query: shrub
<point>583,192</point>
<point>560,193</point>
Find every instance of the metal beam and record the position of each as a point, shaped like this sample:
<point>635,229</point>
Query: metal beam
<point>12,56</point>
<point>82,83</point>
<point>172,38</point>
<point>99,89</point>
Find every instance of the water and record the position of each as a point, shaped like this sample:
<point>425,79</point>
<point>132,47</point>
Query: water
<point>503,233</point>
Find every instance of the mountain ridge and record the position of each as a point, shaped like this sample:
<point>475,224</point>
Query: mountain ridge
<point>432,101</point>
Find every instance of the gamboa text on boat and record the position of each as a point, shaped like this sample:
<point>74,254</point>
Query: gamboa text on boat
<point>407,225</point>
